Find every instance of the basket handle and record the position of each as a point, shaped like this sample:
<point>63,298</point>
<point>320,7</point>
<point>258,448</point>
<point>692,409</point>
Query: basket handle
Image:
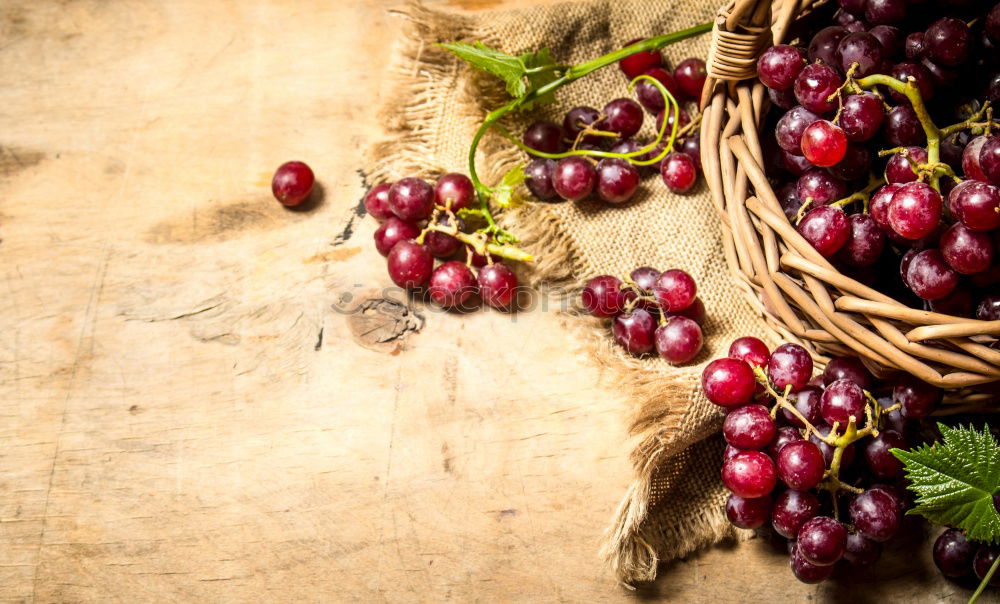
<point>741,31</point>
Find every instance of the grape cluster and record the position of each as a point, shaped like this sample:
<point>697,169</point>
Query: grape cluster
<point>959,558</point>
<point>418,224</point>
<point>614,129</point>
<point>859,166</point>
<point>650,311</point>
<point>802,449</point>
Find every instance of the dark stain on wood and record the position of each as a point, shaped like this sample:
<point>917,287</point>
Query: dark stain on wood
<point>14,160</point>
<point>219,222</point>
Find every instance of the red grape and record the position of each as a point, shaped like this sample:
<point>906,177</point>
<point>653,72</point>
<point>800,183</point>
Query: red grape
<point>749,474</point>
<point>377,203</point>
<point>728,382</point>
<point>292,183</point>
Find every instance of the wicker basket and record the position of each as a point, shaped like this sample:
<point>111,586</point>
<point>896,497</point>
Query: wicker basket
<point>803,296</point>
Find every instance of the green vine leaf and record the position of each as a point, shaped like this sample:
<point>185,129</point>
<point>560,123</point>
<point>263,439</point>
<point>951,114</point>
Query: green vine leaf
<point>505,194</point>
<point>521,74</point>
<point>955,481</point>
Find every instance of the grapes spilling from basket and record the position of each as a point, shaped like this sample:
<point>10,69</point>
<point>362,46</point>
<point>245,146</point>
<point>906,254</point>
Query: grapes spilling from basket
<point>621,156</point>
<point>886,154</point>
<point>420,223</point>
<point>810,455</point>
<point>650,311</point>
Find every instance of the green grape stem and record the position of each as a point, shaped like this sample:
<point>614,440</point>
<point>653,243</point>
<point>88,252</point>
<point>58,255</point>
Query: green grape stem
<point>985,581</point>
<point>840,442</point>
<point>567,75</point>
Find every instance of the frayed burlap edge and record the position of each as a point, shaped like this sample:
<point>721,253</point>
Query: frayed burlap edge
<point>633,545</point>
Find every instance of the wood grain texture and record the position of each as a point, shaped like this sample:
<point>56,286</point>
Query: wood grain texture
<point>184,416</point>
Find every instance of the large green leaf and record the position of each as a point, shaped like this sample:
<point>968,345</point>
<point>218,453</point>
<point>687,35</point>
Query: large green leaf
<point>955,481</point>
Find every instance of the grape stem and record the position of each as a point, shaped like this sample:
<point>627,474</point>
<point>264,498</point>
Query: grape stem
<point>831,478</point>
<point>864,195</point>
<point>474,241</point>
<point>567,75</point>
<point>985,581</point>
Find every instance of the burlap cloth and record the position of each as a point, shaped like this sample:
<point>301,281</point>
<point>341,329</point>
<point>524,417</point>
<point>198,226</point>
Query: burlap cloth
<point>675,503</point>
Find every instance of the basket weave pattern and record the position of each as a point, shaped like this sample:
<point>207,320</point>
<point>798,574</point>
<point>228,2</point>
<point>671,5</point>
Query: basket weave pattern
<point>804,297</point>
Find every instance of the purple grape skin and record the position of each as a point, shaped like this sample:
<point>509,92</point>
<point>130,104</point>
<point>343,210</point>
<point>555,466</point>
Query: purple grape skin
<point>649,95</point>
<point>855,7</point>
<point>574,178</point>
<point>890,37</point>
<point>953,553</point>
<point>819,186</point>
<point>861,551</point>
<point>989,309</point>
<point>948,41</point>
<point>377,202</point>
<point>785,435</point>
<point>957,304</point>
<point>749,474</point>
<point>603,297</point>
<point>929,276</point>
<point>862,116</point>
<point>842,400</point>
<point>538,174</point>
<point>452,284</point>
<point>822,541</point>
<point>410,264</point>
<point>814,86</point>
<point>879,207</point>
<point>391,232</point>
<point>856,163</point>
<point>851,23</point>
<point>645,277</point>
<point>441,245</point>
<point>917,398</point>
<point>783,98</point>
<point>497,285</point>
<point>902,168</point>
<point>983,561</point>
<point>915,47</point>
<point>789,365</point>
<point>975,204</point>
<point>902,128</point>
<point>875,514</point>
<point>623,117</point>
<point>634,331</point>
<point>544,136</point>
<point>801,465</point>
<point>789,200</point>
<point>617,180</point>
<point>848,368</point>
<point>823,46</point>
<point>411,199</point>
<point>989,159</point>
<point>915,210</point>
<point>885,12</point>
<point>807,572</point>
<point>993,24</point>
<point>791,510</point>
<point>679,341</point>
<point>862,48</point>
<point>692,148</point>
<point>965,250</point>
<point>881,462</point>
<point>455,191</point>
<point>577,119</point>
<point>748,513</point>
<point>826,228</point>
<point>807,403</point>
<point>779,65</point>
<point>788,131</point>
<point>921,77</point>
<point>749,427</point>
<point>865,243</point>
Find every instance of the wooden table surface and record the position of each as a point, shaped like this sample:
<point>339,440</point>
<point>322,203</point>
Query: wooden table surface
<point>183,414</point>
